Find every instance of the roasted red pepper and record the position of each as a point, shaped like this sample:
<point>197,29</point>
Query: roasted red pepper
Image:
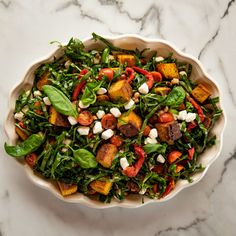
<point>22,125</point>
<point>169,187</point>
<point>191,152</point>
<point>197,107</point>
<point>80,85</point>
<point>132,171</point>
<point>148,75</point>
<point>130,73</point>
<point>191,126</point>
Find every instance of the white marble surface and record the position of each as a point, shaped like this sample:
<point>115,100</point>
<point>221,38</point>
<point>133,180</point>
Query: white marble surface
<point>205,29</point>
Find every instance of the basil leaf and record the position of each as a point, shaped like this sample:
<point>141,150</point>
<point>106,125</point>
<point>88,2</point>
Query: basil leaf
<point>28,146</point>
<point>175,97</point>
<point>158,148</point>
<point>60,101</point>
<point>85,158</point>
<point>89,95</point>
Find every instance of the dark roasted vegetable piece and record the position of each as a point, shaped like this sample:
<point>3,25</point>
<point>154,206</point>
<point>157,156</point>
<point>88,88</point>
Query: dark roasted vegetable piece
<point>129,124</point>
<point>169,132</point>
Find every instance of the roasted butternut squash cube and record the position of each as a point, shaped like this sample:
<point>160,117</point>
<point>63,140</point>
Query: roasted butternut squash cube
<point>120,91</point>
<point>67,189</point>
<point>125,58</point>
<point>103,187</point>
<point>169,132</point>
<point>162,90</point>
<point>57,119</point>
<point>43,81</point>
<point>201,93</point>
<point>106,154</point>
<point>23,135</point>
<point>168,70</point>
<point>129,124</point>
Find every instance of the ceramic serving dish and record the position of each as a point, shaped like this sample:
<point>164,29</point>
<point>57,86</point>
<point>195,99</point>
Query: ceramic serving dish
<point>129,42</point>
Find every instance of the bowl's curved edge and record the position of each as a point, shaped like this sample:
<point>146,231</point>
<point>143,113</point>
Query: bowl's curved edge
<point>86,201</point>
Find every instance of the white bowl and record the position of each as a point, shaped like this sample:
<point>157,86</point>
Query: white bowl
<point>129,42</point>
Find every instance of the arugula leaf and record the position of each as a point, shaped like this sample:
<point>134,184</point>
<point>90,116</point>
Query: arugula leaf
<point>158,148</point>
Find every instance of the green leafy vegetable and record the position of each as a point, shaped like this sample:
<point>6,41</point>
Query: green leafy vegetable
<point>26,147</point>
<point>175,97</point>
<point>158,148</point>
<point>85,158</point>
<point>89,95</point>
<point>60,102</point>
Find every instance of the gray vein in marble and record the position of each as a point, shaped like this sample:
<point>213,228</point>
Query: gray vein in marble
<point>226,12</point>
<point>211,40</point>
<point>153,9</point>
<point>227,162</point>
<point>5,4</point>
<point>227,82</point>
<point>182,228</point>
<point>155,13</point>
<point>118,6</point>
<point>77,4</point>
<point>207,44</point>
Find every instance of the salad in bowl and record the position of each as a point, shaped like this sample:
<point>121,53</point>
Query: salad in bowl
<point>110,122</point>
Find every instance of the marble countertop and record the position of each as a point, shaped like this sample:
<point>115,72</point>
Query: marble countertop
<point>205,29</point>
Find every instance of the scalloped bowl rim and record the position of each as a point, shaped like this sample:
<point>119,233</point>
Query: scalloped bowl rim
<point>133,203</point>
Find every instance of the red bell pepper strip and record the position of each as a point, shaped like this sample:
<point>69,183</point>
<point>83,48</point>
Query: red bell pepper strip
<point>148,75</point>
<point>80,85</point>
<point>191,152</point>
<point>130,73</point>
<point>132,171</point>
<point>197,107</point>
<point>191,126</point>
<point>22,125</point>
<point>169,187</point>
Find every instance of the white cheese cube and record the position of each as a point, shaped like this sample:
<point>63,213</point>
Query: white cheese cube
<point>182,115</point>
<point>46,101</point>
<point>83,130</point>
<point>72,120</point>
<point>143,88</point>
<point>107,134</point>
<point>97,128</point>
<point>190,117</point>
<point>19,116</point>
<point>100,114</point>
<point>158,59</point>
<point>129,104</point>
<point>37,93</point>
<point>81,105</point>
<point>161,159</point>
<point>150,140</point>
<point>115,112</point>
<point>124,163</point>
<point>153,133</point>
<point>101,91</point>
